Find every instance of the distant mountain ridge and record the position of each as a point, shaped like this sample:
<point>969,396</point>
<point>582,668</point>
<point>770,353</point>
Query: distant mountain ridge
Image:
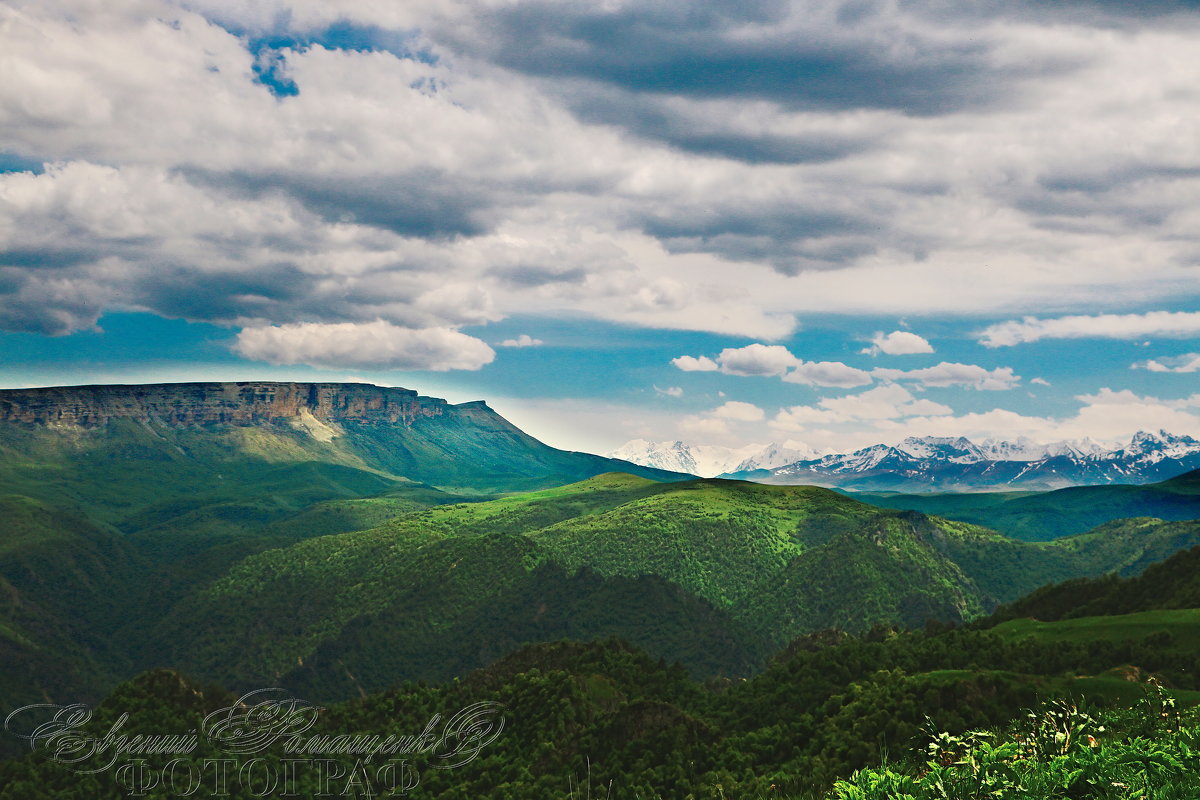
<point>709,461</point>
<point>936,463</point>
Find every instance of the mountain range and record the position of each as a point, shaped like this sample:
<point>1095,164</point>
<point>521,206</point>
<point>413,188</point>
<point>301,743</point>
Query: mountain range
<point>932,463</point>
<point>711,460</point>
<point>340,538</point>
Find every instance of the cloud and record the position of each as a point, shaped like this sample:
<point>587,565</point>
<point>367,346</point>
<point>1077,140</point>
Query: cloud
<point>757,359</point>
<point>524,340</point>
<point>1171,324</point>
<point>1040,381</point>
<point>1190,362</point>
<point>898,343</point>
<point>881,403</point>
<point>828,373</point>
<point>670,391</point>
<point>716,421</point>
<point>709,426</point>
<point>695,364</point>
<point>887,414</point>
<point>952,374</point>
<point>725,168</point>
<point>376,344</point>
<point>760,360</point>
<point>826,56</point>
<point>738,411</point>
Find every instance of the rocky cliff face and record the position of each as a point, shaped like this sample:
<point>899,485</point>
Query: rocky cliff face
<point>186,404</point>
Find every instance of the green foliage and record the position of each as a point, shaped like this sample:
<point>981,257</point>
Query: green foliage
<point>1171,584</point>
<point>606,720</point>
<point>1057,751</point>
<point>749,565</point>
<point>1039,516</point>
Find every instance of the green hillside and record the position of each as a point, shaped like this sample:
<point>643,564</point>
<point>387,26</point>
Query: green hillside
<point>1049,515</point>
<point>128,462</point>
<point>1171,584</point>
<point>750,564</point>
<point>606,720</point>
<point>1177,629</point>
<point>63,592</point>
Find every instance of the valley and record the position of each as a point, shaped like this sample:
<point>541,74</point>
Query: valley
<point>344,542</point>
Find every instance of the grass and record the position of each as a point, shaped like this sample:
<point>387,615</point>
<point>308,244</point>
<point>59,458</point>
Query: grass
<point>1183,626</point>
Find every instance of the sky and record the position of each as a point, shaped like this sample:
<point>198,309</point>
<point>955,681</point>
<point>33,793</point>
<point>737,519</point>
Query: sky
<point>830,223</point>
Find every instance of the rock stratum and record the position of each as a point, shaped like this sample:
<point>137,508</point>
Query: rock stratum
<point>192,436</point>
<point>244,403</point>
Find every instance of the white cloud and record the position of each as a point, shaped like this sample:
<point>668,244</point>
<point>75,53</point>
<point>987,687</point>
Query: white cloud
<point>376,344</point>
<point>883,414</point>
<point>706,426</point>
<point>881,403</point>
<point>738,411</point>
<point>1189,362</point>
<point>1101,326</point>
<point>757,359</point>
<point>776,360</point>
<point>670,391</point>
<point>953,374</point>
<point>387,176</point>
<point>695,364</point>
<point>898,343</point>
<point>1040,381</point>
<point>524,340</point>
<point>828,373</point>
<point>715,423</point>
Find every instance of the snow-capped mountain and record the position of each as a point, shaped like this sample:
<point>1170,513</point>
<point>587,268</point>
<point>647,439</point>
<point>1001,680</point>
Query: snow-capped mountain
<point>773,455</point>
<point>935,463</point>
<point>957,464</point>
<point>710,460</point>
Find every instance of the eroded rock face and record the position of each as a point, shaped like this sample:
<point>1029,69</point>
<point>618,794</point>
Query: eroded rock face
<point>248,403</point>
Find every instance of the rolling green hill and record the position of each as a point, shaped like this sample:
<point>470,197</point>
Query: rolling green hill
<point>755,565</point>
<point>63,592</point>
<point>1171,584</point>
<point>1041,516</point>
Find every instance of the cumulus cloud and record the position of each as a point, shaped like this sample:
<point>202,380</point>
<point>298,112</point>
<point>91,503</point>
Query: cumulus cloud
<point>716,422</point>
<point>828,373</point>
<point>898,343</point>
<point>757,359</point>
<point>738,411</point>
<point>1171,324</point>
<point>704,425</point>
<point>524,340</point>
<point>760,360</point>
<point>1189,362</point>
<point>881,403</point>
<point>695,364</point>
<point>376,344</point>
<point>953,374</point>
<point>887,414</point>
<point>722,169</point>
<point>1040,381</point>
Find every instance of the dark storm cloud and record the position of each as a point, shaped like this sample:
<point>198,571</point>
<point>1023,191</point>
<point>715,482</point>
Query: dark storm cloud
<point>650,116</point>
<point>789,239</point>
<point>1092,199</point>
<point>680,49</point>
<point>530,276</point>
<point>426,205</point>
